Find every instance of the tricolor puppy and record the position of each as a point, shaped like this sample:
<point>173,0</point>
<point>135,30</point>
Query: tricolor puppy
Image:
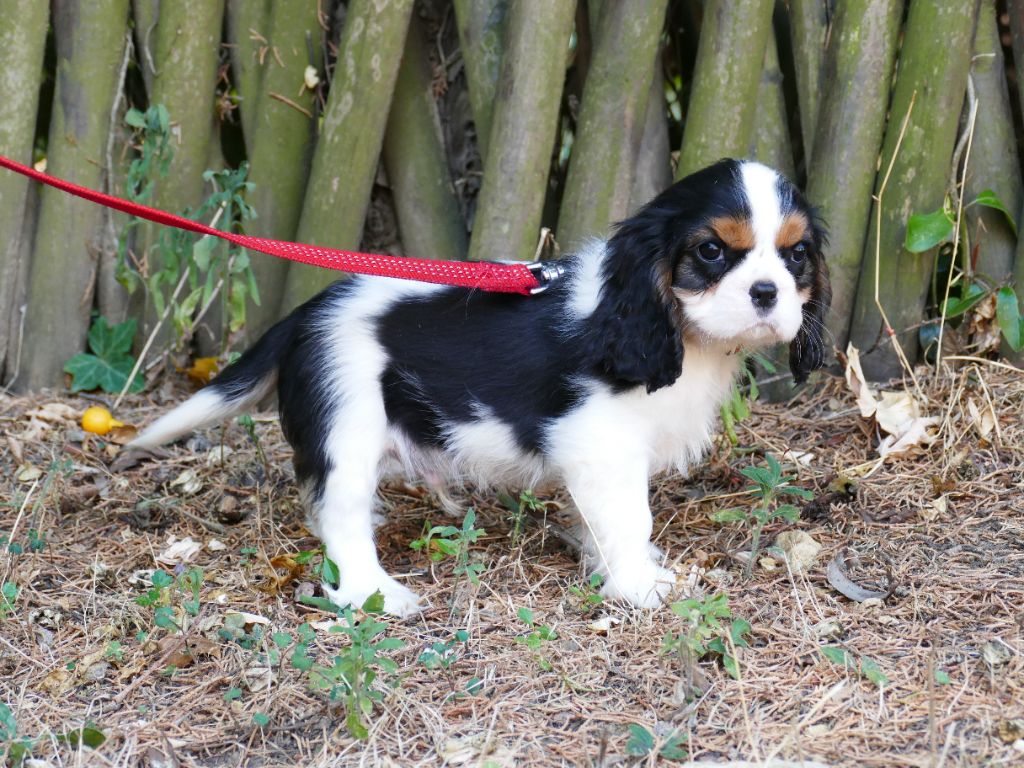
<point>613,374</point>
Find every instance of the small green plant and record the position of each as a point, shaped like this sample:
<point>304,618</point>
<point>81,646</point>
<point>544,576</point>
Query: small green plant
<point>321,566</point>
<point>17,750</point>
<point>8,596</point>
<point>707,621</point>
<point>443,541</point>
<point>736,407</point>
<point>351,677</point>
<point>526,502</point>
<point>966,288</point>
<point>588,597</point>
<point>443,655</point>
<point>535,639</point>
<point>769,485</point>
<point>109,363</point>
<point>642,743</point>
<point>246,422</point>
<point>164,589</point>
<point>861,665</point>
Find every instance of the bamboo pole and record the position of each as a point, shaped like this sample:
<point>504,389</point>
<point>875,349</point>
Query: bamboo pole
<point>525,124</point>
<point>23,25</point>
<point>653,161</point>
<point>612,119</point>
<point>145,14</point>
<point>1016,13</point>
<point>809,20</point>
<point>481,25</point>
<point>347,153</point>
<point>89,41</point>
<point>993,163</point>
<point>247,21</point>
<point>857,78</point>
<point>730,57</point>
<point>770,143</point>
<point>281,147</point>
<point>428,211</point>
<point>919,179</point>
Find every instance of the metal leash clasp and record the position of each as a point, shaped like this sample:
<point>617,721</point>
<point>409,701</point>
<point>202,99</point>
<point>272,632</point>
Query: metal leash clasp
<point>546,273</point>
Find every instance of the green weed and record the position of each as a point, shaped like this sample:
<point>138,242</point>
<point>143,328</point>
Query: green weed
<point>642,743</point>
<point>444,541</point>
<point>769,485</point>
<point>519,506</point>
<point>588,597</point>
<point>707,621</point>
<point>535,639</point>
<point>860,665</point>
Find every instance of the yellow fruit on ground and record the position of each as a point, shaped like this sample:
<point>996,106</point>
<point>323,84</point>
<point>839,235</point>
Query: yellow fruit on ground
<point>98,420</point>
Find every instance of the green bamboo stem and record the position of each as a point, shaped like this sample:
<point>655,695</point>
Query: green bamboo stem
<point>428,212</point>
<point>525,124</point>
<point>145,14</point>
<point>23,26</point>
<point>857,75</point>
<point>281,147</point>
<point>770,143</point>
<point>612,119</point>
<point>919,180</point>
<point>347,153</point>
<point>809,25</point>
<point>244,17</point>
<point>1016,13</point>
<point>730,57</point>
<point>90,42</point>
<point>993,163</point>
<point>653,161</point>
<point>481,25</point>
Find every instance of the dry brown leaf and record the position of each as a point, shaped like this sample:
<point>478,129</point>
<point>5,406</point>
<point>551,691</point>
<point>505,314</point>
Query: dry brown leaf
<point>800,549</point>
<point>179,551</point>
<point>839,578</point>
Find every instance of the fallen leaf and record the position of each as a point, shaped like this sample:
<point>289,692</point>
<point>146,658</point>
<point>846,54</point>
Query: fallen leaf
<point>983,418</point>
<point>258,677</point>
<point>27,473</point>
<point>995,653</point>
<point>800,458</point>
<point>249,618</point>
<point>1010,731</point>
<point>203,369</point>
<point>840,580</point>
<point>800,549</point>
<point>216,545</point>
<point>179,551</point>
<point>188,481</point>
<point>602,625</point>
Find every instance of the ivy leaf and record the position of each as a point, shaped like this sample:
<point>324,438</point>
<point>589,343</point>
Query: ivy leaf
<point>672,749</point>
<point>106,340</point>
<point>873,672</point>
<point>974,293</point>
<point>733,515</point>
<point>1008,315</point>
<point>990,199</point>
<point>108,365</point>
<point>836,655</point>
<point>374,603</point>
<point>926,230</point>
<point>640,742</point>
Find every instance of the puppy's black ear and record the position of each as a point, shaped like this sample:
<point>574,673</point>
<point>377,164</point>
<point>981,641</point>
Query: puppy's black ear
<point>634,334</point>
<point>807,351</point>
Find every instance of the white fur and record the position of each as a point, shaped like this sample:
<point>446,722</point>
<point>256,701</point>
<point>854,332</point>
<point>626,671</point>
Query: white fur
<point>202,408</point>
<point>585,288</point>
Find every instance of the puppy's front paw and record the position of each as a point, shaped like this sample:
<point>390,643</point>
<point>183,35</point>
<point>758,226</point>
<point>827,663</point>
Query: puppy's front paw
<point>398,600</point>
<point>645,584</point>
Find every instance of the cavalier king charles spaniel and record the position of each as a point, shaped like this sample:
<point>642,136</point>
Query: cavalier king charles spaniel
<point>614,373</point>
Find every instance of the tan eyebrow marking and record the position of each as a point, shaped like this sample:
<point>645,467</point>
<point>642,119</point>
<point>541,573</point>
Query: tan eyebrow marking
<point>794,228</point>
<point>737,233</point>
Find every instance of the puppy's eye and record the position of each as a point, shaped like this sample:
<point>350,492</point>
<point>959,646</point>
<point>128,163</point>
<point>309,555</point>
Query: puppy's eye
<point>710,251</point>
<point>798,253</point>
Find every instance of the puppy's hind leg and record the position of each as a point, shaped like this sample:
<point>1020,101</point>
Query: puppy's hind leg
<point>343,513</point>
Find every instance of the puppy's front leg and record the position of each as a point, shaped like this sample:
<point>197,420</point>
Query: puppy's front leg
<point>612,501</point>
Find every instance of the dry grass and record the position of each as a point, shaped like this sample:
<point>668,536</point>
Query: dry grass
<point>960,574</point>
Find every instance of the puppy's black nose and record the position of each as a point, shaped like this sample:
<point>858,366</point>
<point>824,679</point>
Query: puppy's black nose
<point>763,294</point>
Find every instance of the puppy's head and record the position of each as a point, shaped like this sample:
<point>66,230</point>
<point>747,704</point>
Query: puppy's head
<point>730,256</point>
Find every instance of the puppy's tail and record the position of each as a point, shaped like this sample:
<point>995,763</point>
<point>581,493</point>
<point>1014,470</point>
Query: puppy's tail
<point>238,387</point>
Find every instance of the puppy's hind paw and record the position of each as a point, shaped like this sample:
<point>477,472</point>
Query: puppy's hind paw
<point>645,585</point>
<point>399,601</point>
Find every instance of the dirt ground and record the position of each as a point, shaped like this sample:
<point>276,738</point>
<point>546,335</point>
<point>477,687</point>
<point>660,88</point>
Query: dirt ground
<point>209,677</point>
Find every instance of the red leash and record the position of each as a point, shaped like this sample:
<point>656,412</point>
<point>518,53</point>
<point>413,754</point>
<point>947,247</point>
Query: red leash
<point>483,275</point>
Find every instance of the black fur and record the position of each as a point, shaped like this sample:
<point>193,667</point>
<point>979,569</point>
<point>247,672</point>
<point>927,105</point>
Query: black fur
<point>458,350</point>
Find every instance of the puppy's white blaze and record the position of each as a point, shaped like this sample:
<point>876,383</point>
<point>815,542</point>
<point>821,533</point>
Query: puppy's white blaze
<point>485,452</point>
<point>761,185</point>
<point>204,407</point>
<point>586,282</point>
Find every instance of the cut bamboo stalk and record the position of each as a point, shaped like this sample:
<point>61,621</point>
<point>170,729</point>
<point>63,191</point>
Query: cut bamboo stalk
<point>809,20</point>
<point>89,45</point>
<point>23,25</point>
<point>429,221</point>
<point>851,123</point>
<point>281,147</point>
<point>525,124</point>
<point>770,143</point>
<point>347,153</point>
<point>612,120</point>
<point>481,25</point>
<point>247,22</point>
<point>730,57</point>
<point>653,161</point>
<point>1016,12</point>
<point>919,179</point>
